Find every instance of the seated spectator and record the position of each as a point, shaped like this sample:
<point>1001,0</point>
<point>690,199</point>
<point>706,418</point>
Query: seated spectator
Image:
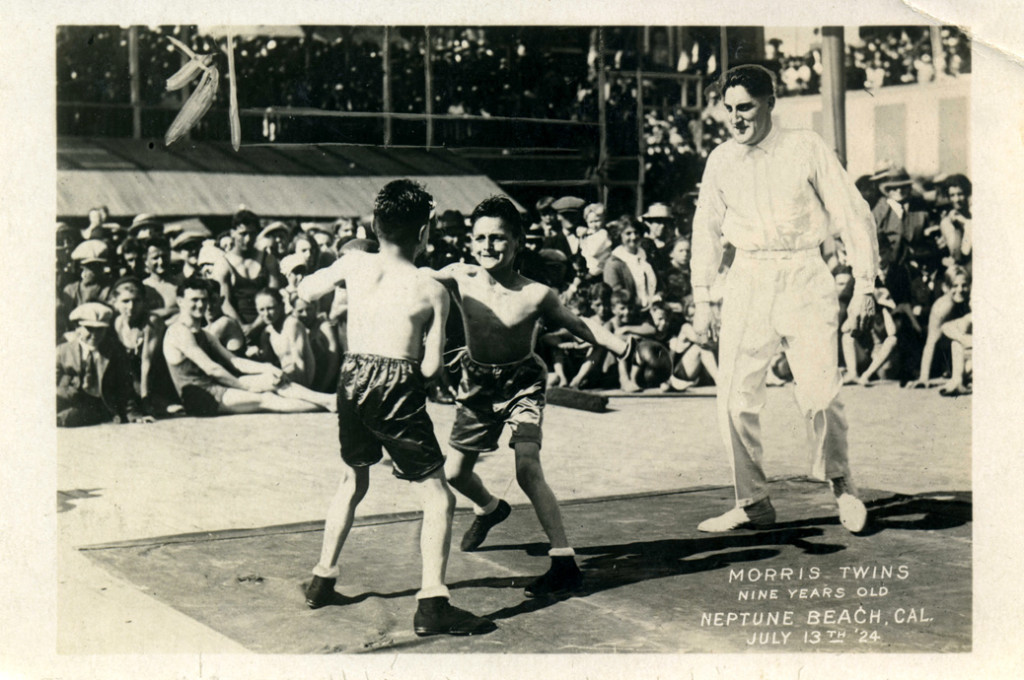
<point>250,272</point>
<point>694,358</point>
<point>959,333</point>
<point>323,234</point>
<point>285,342</point>
<point>600,302</point>
<point>94,382</point>
<point>596,244</point>
<point>210,380</point>
<point>874,350</point>
<point>955,224</point>
<point>226,329</point>
<point>627,269</point>
<point>323,337</point>
<point>159,286</point>
<point>954,304</point>
<point>567,352</point>
<point>141,335</point>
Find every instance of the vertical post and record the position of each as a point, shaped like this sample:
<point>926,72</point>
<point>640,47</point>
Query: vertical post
<point>640,128</point>
<point>133,75</point>
<point>699,137</point>
<point>833,90</point>
<point>386,58</point>
<point>938,54</point>
<point>602,116</point>
<point>723,51</point>
<point>428,85</point>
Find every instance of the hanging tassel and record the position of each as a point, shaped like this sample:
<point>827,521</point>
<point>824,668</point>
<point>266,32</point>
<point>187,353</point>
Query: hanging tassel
<point>236,125</point>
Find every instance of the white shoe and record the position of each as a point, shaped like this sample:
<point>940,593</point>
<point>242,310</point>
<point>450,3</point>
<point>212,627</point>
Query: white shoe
<point>852,513</point>
<point>757,516</point>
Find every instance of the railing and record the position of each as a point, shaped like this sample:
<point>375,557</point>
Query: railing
<point>312,126</point>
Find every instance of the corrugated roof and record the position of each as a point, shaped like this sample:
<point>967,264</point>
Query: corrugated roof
<point>130,178</point>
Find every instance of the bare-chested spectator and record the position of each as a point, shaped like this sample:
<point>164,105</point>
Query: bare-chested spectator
<point>141,334</point>
<point>961,342</point>
<point>94,383</point>
<point>210,380</point>
<point>285,341</point>
<point>873,350</point>
<point>954,304</point>
<point>159,285</point>
<point>323,336</point>
<point>250,272</point>
<point>226,329</point>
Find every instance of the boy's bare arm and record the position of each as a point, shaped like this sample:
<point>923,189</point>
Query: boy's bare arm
<point>433,338</point>
<point>323,281</point>
<point>448,276</point>
<point>557,315</point>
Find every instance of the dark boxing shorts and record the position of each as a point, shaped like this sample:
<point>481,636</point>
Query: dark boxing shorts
<point>491,395</point>
<point>382,404</point>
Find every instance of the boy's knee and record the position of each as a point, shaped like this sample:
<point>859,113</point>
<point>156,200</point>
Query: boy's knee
<point>355,481</point>
<point>528,468</point>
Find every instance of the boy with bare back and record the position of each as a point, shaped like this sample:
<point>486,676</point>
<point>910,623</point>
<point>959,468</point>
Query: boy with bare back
<point>503,381</point>
<point>396,318</point>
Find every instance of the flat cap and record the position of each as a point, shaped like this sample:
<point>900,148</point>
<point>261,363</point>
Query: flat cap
<point>95,314</point>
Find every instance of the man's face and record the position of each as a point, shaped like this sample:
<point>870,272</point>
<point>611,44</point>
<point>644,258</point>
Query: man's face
<point>680,255</point>
<point>492,243</point>
<point>346,230</point>
<point>323,240</point>
<point>194,303</point>
<point>900,194</point>
<point>190,253</point>
<point>92,335</point>
<point>244,236</point>
<point>268,310</point>
<point>750,118</point>
<point>958,198</point>
<point>844,284</point>
<point>305,251</point>
<point>91,272</point>
<point>128,303</point>
<point>156,261</point>
<point>655,229</point>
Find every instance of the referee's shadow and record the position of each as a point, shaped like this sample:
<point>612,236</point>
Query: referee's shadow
<point>607,567</point>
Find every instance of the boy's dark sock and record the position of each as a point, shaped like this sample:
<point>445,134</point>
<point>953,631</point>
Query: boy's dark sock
<point>436,616</point>
<point>563,578</point>
<point>477,532</point>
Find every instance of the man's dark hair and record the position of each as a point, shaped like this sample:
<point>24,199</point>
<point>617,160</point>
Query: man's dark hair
<point>500,207</point>
<point>195,282</point>
<point>756,80</point>
<point>957,180</point>
<point>272,293</point>
<point>246,218</point>
<point>400,211</point>
<point>158,242</point>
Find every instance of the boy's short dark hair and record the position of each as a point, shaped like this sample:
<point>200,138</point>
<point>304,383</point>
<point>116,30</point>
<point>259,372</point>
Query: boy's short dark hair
<point>246,218</point>
<point>621,297</point>
<point>500,207</point>
<point>195,282</point>
<point>126,282</point>
<point>130,245</point>
<point>756,80</point>
<point>402,208</point>
<point>600,291</point>
<point>272,293</point>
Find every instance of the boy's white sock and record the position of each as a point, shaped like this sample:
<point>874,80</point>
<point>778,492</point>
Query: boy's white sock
<point>561,552</point>
<point>332,572</point>
<point>487,509</point>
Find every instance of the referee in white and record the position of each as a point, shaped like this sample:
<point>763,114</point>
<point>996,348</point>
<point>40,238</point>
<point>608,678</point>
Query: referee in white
<point>775,195</point>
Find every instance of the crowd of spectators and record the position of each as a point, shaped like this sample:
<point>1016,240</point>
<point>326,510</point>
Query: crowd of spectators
<point>121,289</point>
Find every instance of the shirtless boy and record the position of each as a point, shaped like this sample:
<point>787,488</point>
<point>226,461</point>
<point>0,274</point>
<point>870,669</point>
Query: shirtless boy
<point>284,342</point>
<point>396,318</point>
<point>503,381</point>
<point>211,380</point>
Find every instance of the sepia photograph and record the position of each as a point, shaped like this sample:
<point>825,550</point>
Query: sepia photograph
<point>422,346</point>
